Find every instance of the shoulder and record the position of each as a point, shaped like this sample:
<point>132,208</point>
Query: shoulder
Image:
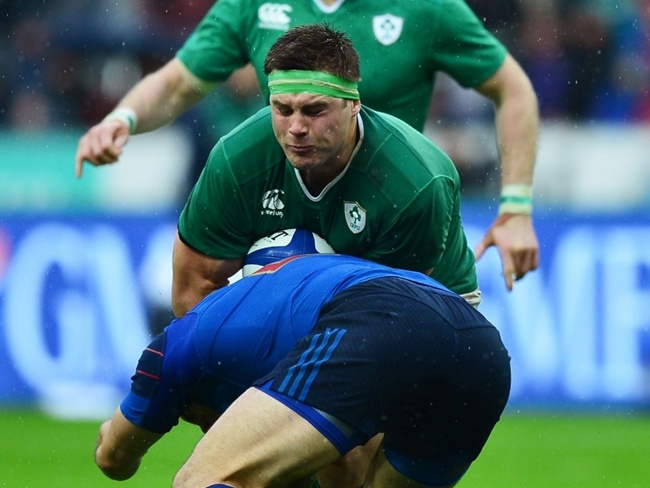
<point>444,11</point>
<point>402,165</point>
<point>233,9</point>
<point>400,149</point>
<point>249,149</point>
<point>255,128</point>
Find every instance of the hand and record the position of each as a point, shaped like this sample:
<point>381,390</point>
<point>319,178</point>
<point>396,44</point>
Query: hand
<point>102,144</point>
<point>514,237</point>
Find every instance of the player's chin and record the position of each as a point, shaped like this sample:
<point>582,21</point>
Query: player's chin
<point>303,159</point>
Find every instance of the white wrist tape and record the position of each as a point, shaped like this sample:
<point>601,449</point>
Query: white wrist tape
<point>516,199</point>
<point>126,115</point>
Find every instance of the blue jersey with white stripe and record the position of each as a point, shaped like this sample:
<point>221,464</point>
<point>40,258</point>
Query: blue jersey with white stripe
<point>239,333</point>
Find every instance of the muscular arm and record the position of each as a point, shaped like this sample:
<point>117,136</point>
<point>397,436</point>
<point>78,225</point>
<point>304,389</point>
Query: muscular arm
<point>517,124</point>
<point>195,275</point>
<point>157,99</point>
<point>163,95</point>
<point>121,446</point>
<point>517,121</point>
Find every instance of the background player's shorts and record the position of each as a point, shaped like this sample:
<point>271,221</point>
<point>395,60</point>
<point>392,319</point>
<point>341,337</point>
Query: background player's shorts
<point>423,367</point>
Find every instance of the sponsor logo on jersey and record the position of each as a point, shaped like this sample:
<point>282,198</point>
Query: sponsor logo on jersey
<point>355,216</point>
<point>274,16</point>
<point>387,28</point>
<point>271,203</point>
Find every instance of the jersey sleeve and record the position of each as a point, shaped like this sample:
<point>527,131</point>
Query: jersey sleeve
<point>166,378</point>
<point>463,47</point>
<point>215,49</point>
<point>155,400</point>
<point>215,218</point>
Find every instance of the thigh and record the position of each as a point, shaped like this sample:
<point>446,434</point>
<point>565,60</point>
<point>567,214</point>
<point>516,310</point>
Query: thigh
<point>258,441</point>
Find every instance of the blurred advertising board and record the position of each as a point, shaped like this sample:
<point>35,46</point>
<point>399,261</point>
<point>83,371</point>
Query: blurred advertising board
<point>81,295</point>
<point>77,294</point>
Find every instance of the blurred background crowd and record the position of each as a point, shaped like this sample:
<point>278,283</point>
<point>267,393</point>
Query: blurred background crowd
<point>71,249</point>
<point>66,63</point>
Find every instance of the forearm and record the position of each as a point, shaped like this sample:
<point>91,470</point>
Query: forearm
<point>112,459</point>
<point>160,97</point>
<point>196,275</point>
<point>516,120</point>
<point>517,126</point>
<point>121,447</point>
<point>186,293</point>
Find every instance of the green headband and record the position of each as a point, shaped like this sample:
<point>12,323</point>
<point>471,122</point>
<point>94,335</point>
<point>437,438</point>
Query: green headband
<point>319,82</point>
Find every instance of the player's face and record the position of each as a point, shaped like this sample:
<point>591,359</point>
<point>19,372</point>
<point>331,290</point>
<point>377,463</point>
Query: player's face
<point>316,132</point>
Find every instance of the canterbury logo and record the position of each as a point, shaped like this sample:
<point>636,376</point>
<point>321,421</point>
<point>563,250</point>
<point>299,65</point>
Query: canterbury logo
<point>274,16</point>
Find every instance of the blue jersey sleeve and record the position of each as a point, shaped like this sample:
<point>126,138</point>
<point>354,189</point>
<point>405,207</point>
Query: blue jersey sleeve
<point>162,381</point>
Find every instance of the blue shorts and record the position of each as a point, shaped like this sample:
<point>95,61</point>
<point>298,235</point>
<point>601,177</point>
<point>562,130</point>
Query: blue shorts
<point>389,356</point>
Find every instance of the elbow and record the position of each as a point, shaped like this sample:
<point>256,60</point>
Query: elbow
<point>115,467</point>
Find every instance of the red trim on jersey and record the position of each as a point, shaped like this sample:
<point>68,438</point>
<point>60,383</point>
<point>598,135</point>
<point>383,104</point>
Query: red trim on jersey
<point>148,375</point>
<point>273,267</point>
<point>155,352</point>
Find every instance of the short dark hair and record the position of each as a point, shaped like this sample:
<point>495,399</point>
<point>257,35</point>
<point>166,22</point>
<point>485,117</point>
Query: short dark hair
<point>315,47</point>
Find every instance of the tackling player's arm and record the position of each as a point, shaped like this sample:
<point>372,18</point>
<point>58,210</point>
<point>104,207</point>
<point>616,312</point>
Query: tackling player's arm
<point>156,100</point>
<point>517,123</point>
<point>121,446</point>
<point>196,275</point>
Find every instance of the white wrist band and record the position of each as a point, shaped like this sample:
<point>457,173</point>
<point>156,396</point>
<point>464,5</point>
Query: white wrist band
<point>516,199</point>
<point>126,115</point>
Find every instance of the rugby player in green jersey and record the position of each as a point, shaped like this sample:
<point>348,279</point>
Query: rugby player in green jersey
<point>401,45</point>
<point>316,159</point>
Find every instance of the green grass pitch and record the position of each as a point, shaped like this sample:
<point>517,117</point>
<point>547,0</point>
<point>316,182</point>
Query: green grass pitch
<point>525,450</point>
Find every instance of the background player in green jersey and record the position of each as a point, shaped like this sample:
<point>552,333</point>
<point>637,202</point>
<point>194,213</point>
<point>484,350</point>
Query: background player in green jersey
<point>316,159</point>
<point>401,44</point>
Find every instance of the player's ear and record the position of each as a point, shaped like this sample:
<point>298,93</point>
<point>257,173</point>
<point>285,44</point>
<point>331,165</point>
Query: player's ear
<point>356,107</point>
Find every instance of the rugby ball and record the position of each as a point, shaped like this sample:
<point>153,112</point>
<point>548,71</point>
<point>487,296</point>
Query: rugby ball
<point>281,245</point>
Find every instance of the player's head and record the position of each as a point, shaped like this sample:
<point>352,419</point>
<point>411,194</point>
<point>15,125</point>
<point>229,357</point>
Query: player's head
<point>313,72</point>
<point>315,47</point>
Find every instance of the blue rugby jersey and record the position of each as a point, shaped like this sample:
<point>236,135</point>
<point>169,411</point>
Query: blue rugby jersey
<point>238,334</point>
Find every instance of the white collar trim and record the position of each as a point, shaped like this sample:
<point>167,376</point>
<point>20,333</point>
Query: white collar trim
<point>329,9</point>
<point>320,196</point>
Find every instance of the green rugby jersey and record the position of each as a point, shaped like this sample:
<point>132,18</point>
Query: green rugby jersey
<point>402,44</point>
<point>397,202</point>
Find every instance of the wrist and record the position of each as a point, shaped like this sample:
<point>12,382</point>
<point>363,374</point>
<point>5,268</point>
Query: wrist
<point>126,115</point>
<point>516,199</point>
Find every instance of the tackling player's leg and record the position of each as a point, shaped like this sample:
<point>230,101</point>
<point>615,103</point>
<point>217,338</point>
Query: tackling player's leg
<point>258,441</point>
